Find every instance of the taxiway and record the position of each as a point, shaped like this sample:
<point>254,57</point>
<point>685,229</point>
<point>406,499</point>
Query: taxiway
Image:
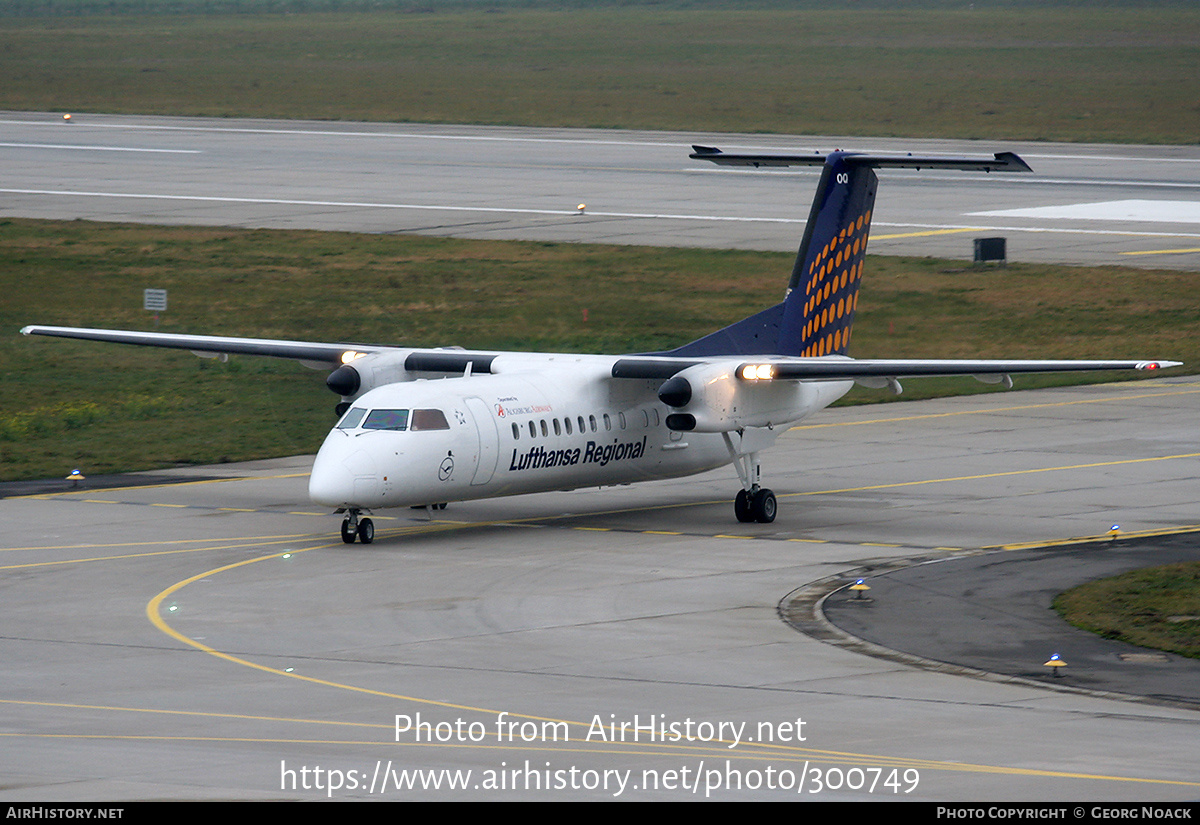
<point>212,638</point>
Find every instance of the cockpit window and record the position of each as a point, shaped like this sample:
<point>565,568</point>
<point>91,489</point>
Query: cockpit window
<point>386,420</point>
<point>429,420</point>
<point>350,420</point>
<point>395,420</point>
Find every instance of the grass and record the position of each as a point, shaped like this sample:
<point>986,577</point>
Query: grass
<point>1053,71</point>
<point>114,408</point>
<point>1156,607</point>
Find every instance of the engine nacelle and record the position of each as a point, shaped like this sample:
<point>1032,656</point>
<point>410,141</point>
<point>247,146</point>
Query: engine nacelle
<point>366,372</point>
<point>720,397</point>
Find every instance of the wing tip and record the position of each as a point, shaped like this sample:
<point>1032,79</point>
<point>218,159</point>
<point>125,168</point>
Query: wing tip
<point>1012,162</point>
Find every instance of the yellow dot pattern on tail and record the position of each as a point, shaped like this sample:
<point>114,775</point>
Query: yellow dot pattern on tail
<point>831,289</point>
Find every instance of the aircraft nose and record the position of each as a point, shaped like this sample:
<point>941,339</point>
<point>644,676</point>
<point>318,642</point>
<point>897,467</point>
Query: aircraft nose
<point>330,484</point>
<point>343,475</point>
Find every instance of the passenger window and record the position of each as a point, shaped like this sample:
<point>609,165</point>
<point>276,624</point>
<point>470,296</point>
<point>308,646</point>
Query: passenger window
<point>567,423</point>
<point>544,433</point>
<point>350,420</point>
<point>429,420</point>
<point>582,427</point>
<point>621,419</point>
<point>532,430</point>
<point>516,432</point>
<point>607,422</point>
<point>557,428</point>
<point>592,421</point>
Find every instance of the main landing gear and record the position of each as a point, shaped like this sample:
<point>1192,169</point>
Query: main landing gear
<point>754,502</point>
<point>354,527</point>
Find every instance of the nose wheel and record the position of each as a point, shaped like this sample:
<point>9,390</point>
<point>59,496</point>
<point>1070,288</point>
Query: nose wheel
<point>354,527</point>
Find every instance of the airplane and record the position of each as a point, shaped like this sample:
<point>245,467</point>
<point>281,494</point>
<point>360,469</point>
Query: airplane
<point>422,427</point>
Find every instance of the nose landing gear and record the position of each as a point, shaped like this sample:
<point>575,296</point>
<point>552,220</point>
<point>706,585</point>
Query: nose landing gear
<point>354,527</point>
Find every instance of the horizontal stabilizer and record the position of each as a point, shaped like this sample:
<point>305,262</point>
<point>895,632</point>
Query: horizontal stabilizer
<point>1000,162</point>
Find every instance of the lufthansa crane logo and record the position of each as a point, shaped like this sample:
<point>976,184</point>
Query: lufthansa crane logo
<point>447,468</point>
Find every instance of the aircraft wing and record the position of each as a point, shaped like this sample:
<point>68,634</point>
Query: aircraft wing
<point>843,369</point>
<point>323,354</point>
<point>310,353</point>
<point>725,394</point>
<point>911,368</point>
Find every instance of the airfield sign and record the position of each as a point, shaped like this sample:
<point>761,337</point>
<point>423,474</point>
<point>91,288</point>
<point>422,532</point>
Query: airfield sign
<point>154,300</point>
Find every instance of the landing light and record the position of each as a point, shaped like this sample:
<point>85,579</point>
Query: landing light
<point>753,372</point>
<point>349,355</point>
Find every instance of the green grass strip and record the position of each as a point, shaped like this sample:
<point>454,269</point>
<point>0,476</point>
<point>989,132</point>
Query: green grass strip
<point>1122,72</point>
<point>1156,607</point>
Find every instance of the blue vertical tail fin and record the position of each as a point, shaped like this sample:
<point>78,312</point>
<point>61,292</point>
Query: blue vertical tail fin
<point>822,295</point>
<point>817,313</point>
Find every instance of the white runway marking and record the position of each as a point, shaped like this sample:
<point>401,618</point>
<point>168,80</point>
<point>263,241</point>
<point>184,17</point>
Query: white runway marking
<point>98,148</point>
<point>1125,210</point>
<point>338,133</point>
<point>1121,158</point>
<point>377,205</point>
<point>571,213</point>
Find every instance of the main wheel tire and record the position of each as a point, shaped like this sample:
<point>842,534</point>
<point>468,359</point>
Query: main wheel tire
<point>764,506</point>
<point>366,531</point>
<point>348,532</point>
<point>741,507</point>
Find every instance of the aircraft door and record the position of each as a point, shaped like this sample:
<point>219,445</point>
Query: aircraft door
<point>489,441</point>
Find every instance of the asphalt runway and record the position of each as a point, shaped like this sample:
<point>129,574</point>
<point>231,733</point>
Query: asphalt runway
<point>213,638</point>
<point>1083,204</point>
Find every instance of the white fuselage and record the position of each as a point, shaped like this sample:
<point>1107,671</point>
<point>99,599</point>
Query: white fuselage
<point>538,423</point>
